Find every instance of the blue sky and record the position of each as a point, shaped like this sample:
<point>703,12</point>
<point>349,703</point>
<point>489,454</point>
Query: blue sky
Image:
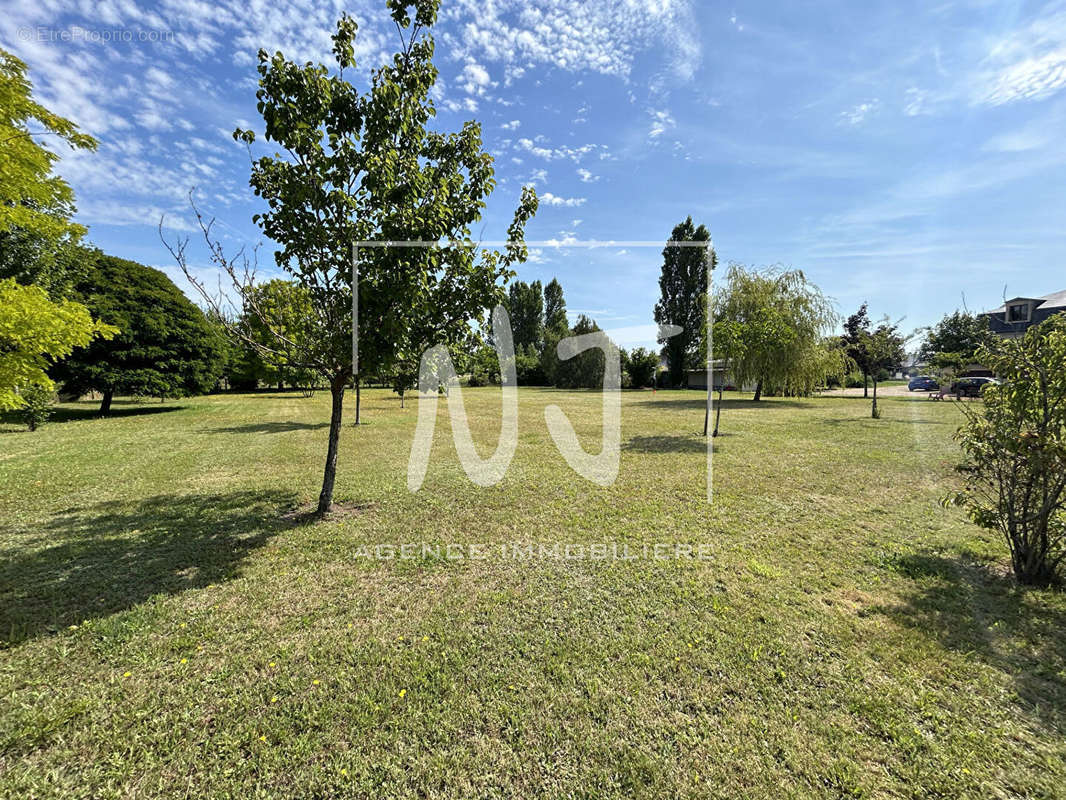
<point>901,153</point>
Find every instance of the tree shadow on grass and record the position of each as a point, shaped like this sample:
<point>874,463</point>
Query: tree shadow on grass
<point>270,427</point>
<point>666,444</point>
<point>971,609</point>
<point>699,400</point>
<point>107,558</point>
<point>67,414</point>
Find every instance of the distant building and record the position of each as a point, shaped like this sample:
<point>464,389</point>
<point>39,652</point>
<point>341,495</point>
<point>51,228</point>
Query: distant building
<point>1016,316</point>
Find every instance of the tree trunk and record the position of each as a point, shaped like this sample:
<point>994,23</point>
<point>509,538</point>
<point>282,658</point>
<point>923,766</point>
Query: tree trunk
<point>874,413</point>
<point>758,391</point>
<point>325,498</point>
<point>357,399</point>
<point>866,385</point>
<point>707,411</point>
<point>717,414</point>
<point>105,404</point>
<point>401,399</point>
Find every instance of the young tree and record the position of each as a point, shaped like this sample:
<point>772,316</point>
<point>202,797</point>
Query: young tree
<point>1015,446</point>
<point>37,236</point>
<point>642,364</point>
<point>369,168</point>
<point>881,349</point>
<point>782,321</point>
<point>683,293</point>
<point>34,333</point>
<point>856,332</point>
<point>165,347</point>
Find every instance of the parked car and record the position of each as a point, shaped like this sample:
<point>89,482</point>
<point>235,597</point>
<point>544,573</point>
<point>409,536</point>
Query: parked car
<point>923,383</point>
<point>971,387</point>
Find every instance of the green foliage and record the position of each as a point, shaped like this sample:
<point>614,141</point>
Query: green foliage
<point>38,402</point>
<point>555,320</point>
<point>1015,446</point>
<point>35,332</point>
<point>771,328</point>
<point>585,370</point>
<point>683,296</point>
<point>641,365</point>
<point>36,233</point>
<point>525,306</point>
<point>955,340</point>
<point>278,311</point>
<point>165,346</point>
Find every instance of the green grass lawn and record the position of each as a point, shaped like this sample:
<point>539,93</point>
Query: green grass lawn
<point>172,627</point>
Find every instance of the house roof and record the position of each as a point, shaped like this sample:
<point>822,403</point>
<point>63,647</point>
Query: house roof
<point>1053,300</point>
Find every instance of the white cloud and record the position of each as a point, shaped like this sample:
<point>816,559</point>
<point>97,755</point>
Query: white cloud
<point>550,199</point>
<point>574,35</point>
<point>1027,64</point>
<point>474,79</point>
<point>575,154</point>
<point>858,114</point>
<point>662,121</point>
<point>586,176</point>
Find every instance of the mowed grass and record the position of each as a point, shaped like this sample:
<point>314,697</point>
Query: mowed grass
<point>173,626</point>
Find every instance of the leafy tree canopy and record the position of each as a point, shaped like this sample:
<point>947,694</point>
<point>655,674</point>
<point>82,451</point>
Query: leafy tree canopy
<point>683,296</point>
<point>35,332</point>
<point>772,327</point>
<point>36,232</point>
<point>165,347</point>
<point>958,335</point>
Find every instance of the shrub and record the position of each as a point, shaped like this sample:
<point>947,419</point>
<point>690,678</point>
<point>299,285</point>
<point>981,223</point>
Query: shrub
<point>854,380</point>
<point>641,366</point>
<point>38,404</point>
<point>1015,446</point>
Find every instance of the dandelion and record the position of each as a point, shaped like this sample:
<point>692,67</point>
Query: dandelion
<point>183,625</point>
<point>185,661</point>
<point>425,638</point>
<point>274,699</point>
<point>262,738</point>
<point>315,682</point>
<point>403,692</point>
<point>344,772</point>
<point>126,674</point>
<point>273,664</point>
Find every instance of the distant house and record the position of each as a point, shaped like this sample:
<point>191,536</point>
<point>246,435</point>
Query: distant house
<point>1016,316</point>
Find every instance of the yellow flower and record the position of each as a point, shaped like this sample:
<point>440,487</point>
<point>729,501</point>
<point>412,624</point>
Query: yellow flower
<point>425,638</point>
<point>274,699</point>
<point>262,738</point>
<point>344,772</point>
<point>315,682</point>
<point>273,664</point>
<point>126,674</point>
<point>185,661</point>
<point>403,692</point>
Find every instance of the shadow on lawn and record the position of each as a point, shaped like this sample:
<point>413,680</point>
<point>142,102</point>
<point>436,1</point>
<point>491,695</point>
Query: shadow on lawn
<point>62,414</point>
<point>1019,631</point>
<point>699,400</point>
<point>666,444</point>
<point>270,427</point>
<point>112,556</point>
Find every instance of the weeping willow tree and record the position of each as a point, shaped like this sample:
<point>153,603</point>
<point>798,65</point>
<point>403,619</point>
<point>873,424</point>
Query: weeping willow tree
<point>779,325</point>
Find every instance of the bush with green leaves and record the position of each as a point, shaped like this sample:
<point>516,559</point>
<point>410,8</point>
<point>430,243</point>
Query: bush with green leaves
<point>38,402</point>
<point>1015,446</point>
<point>641,365</point>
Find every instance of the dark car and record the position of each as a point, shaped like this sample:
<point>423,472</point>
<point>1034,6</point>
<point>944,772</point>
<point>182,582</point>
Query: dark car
<point>923,383</point>
<point>971,387</point>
